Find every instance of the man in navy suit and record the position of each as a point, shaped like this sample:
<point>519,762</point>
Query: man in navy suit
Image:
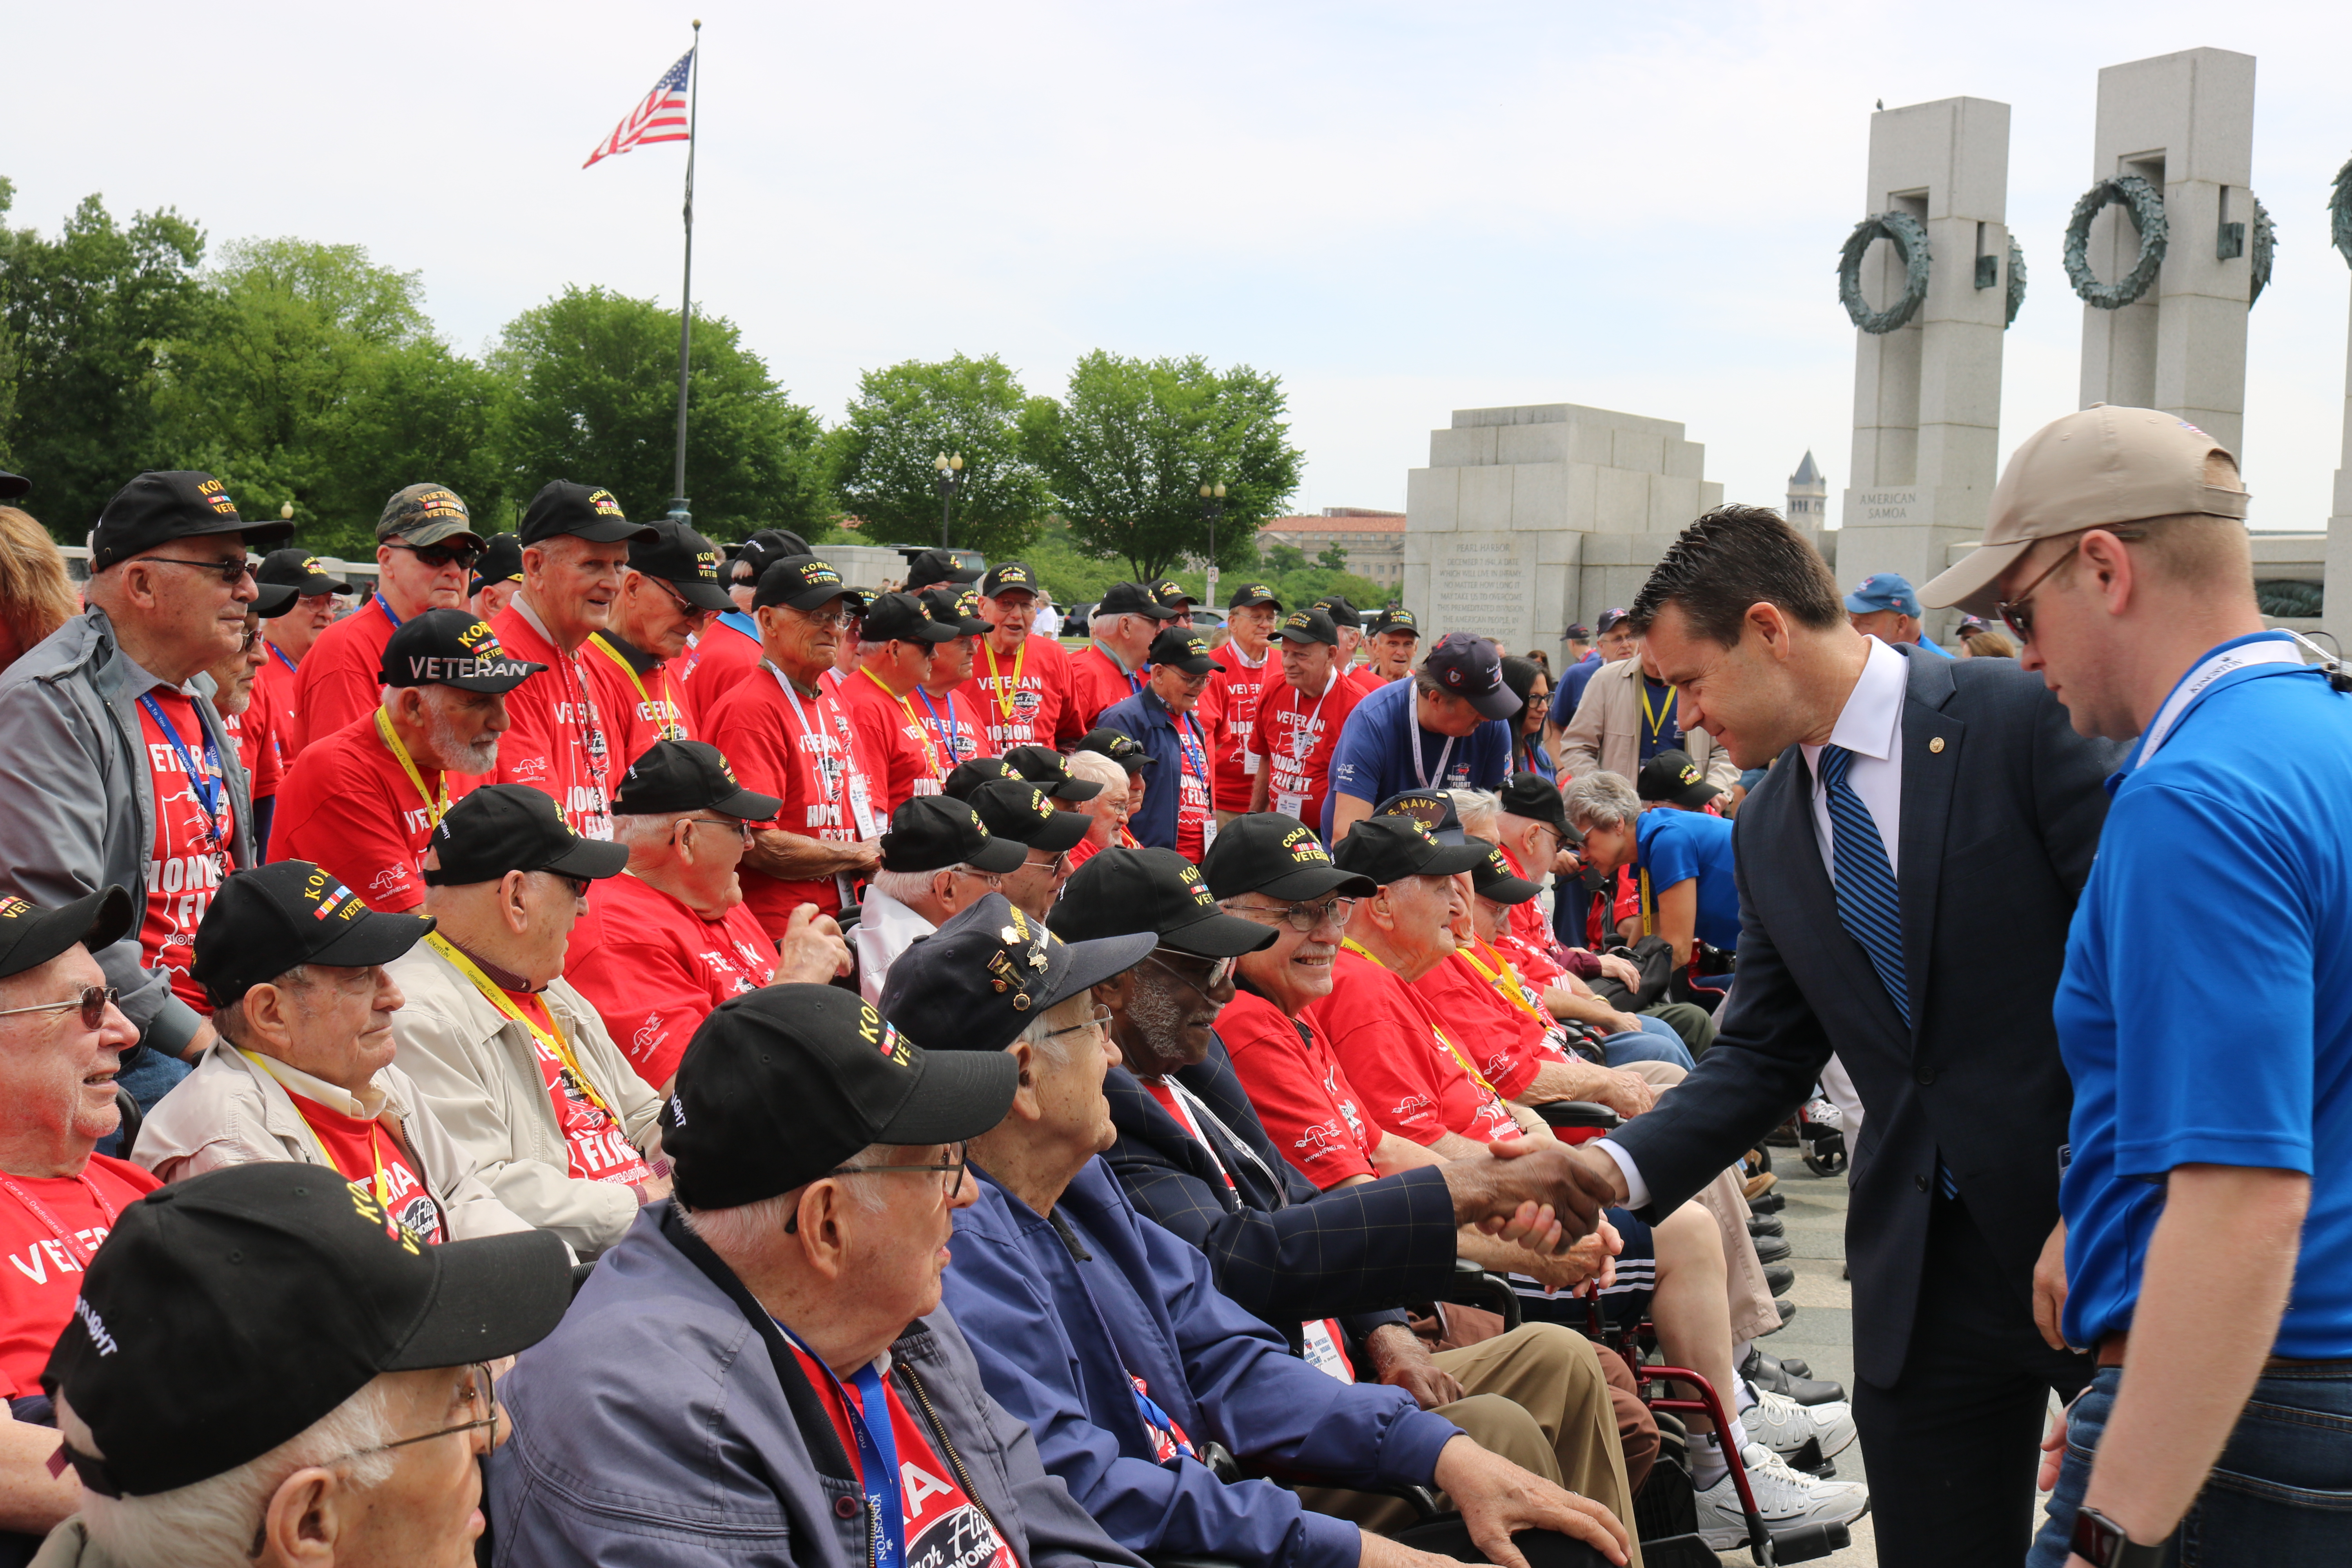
<point>1907,797</point>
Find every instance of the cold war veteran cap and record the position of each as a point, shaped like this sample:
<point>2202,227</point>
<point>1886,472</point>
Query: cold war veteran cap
<point>782,1085</point>
<point>426,514</point>
<point>1308,626</point>
<point>803,583</point>
<point>1250,595</point>
<point>2092,468</point>
<point>1267,852</point>
<point>228,1313</point>
<point>1884,591</point>
<point>1391,848</point>
<point>1672,777</point>
<point>30,936</point>
<point>1467,665</point>
<point>265,920</point>
<point>583,511</point>
<point>1006,577</point>
<point>933,832</point>
<point>1015,808</point>
<point>689,775</point>
<point>671,551</point>
<point>1044,767</point>
<point>1156,890</point>
<point>1185,648</point>
<point>180,503</point>
<point>503,827</point>
<point>499,562</point>
<point>991,970</point>
<point>451,647</point>
<point>300,570</point>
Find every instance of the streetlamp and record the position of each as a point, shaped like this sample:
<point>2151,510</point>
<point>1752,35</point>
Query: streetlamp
<point>950,475</point>
<point>1212,507</point>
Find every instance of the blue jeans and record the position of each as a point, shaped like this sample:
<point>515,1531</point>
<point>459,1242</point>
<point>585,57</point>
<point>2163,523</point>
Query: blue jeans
<point>2281,1496</point>
<point>1654,1041</point>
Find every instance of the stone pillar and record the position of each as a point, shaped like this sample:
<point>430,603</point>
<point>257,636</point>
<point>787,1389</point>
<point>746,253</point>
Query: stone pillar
<point>2185,123</point>
<point>1926,396</point>
<point>2336,608</point>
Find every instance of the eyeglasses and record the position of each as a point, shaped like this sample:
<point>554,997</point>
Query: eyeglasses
<point>2013,613</point>
<point>990,879</point>
<point>1060,864</point>
<point>1100,1019</point>
<point>836,616</point>
<point>950,1180</point>
<point>1219,969</point>
<point>1303,919</point>
<point>439,555</point>
<point>691,611</point>
<point>228,572</point>
<point>93,1001</point>
<point>478,1396</point>
<point>742,828</point>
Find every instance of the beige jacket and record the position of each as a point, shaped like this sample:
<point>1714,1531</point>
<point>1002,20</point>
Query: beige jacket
<point>1606,734</point>
<point>478,1073</point>
<point>231,1112</point>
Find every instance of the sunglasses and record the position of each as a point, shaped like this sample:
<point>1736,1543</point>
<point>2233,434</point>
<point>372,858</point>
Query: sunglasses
<point>439,555</point>
<point>2013,613</point>
<point>93,1001</point>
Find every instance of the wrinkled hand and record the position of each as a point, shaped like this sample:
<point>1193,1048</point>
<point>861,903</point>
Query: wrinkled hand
<point>1402,1361</point>
<point>1520,1171</point>
<point>1497,1498</point>
<point>813,950</point>
<point>1627,1094</point>
<point>864,856</point>
<point>1624,970</point>
<point>1626,1023</point>
<point>1379,1552</point>
<point>2050,1289</point>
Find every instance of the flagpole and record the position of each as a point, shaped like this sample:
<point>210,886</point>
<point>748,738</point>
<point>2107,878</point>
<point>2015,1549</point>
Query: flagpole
<point>685,293</point>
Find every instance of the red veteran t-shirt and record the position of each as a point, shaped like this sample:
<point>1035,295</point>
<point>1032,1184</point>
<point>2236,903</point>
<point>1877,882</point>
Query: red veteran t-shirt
<point>802,750</point>
<point>192,845</point>
<point>1096,682</point>
<point>1403,1058</point>
<point>1232,696</point>
<point>597,1148</point>
<point>902,758</point>
<point>349,806</point>
<point>723,656</point>
<point>363,1155</point>
<point>1506,1045</point>
<point>1295,737</point>
<point>555,743</point>
<point>953,724</point>
<point>1300,1092</point>
<point>343,675</point>
<point>256,741</point>
<point>43,1276</point>
<point>658,969</point>
<point>639,699</point>
<point>1020,698</point>
<point>276,688</point>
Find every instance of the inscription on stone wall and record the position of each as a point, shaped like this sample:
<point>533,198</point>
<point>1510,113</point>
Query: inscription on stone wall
<point>1887,506</point>
<point>1481,584</point>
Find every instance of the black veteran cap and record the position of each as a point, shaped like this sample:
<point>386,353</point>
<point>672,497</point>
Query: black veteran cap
<point>689,775</point>
<point>1308,626</point>
<point>933,832</point>
<point>1007,576</point>
<point>271,600</point>
<point>15,486</point>
<point>1133,599</point>
<point>969,776</point>
<point>763,550</point>
<point>1532,795</point>
<point>990,972</point>
<point>1467,665</point>
<point>1267,852</point>
<point>1118,746</point>
<point>268,919</point>
<point>1492,878</point>
<point>427,514</point>
<point>1158,890</point>
<point>1015,808</point>
<point>1391,848</point>
<point>501,828</point>
<point>30,936</point>
<point>802,582</point>
<point>298,570</point>
<point>1047,769</point>
<point>781,1085</point>
<point>1185,648</point>
<point>180,503</point>
<point>1395,619</point>
<point>1342,613</point>
<point>1171,594</point>
<point>499,562</point>
<point>582,510</point>
<point>901,617</point>
<point>673,552</point>
<point>1249,595</point>
<point>933,566</point>
<point>452,647</point>
<point>228,1313</point>
<point>1672,777</point>
<point>957,609</point>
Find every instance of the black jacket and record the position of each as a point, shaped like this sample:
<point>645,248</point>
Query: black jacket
<point>1999,824</point>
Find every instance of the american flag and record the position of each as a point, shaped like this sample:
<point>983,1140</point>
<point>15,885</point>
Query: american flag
<point>660,118</point>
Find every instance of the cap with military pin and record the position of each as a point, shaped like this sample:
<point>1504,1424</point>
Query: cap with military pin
<point>983,978</point>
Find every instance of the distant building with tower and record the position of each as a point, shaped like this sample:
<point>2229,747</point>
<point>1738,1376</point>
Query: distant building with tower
<point>1809,499</point>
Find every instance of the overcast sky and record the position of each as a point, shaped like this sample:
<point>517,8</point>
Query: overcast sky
<point>1398,209</point>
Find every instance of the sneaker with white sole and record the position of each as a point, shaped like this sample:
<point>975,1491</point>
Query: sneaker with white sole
<point>1821,1114</point>
<point>1782,1425</point>
<point>1784,1498</point>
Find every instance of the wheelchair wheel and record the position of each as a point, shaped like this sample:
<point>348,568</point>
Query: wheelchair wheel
<point>1825,1156</point>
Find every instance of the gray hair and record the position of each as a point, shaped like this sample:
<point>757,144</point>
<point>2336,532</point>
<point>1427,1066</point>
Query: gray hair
<point>210,1524</point>
<point>1039,1037</point>
<point>746,1228</point>
<point>646,829</point>
<point>1481,811</point>
<point>908,886</point>
<point>1600,800</point>
<point>867,648</point>
<point>1096,768</point>
<point>230,1022</point>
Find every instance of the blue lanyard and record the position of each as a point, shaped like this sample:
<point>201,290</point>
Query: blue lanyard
<point>946,726</point>
<point>877,1458</point>
<point>736,620</point>
<point>206,785</point>
<point>386,609</point>
<point>1196,750</point>
<point>1159,1420</point>
<point>1133,685</point>
<point>281,656</point>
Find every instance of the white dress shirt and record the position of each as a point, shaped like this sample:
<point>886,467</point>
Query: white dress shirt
<point>1870,725</point>
<point>886,929</point>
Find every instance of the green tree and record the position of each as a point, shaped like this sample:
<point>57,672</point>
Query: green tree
<point>593,380</point>
<point>85,315</point>
<point>908,415</point>
<point>1333,559</point>
<point>1126,452</point>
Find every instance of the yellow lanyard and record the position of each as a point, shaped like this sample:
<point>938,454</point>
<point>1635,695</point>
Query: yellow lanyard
<point>1505,979</point>
<point>375,1134</point>
<point>1352,946</point>
<point>931,756</point>
<point>433,813</point>
<point>1652,717</point>
<point>670,729</point>
<point>504,1004</point>
<point>1005,694</point>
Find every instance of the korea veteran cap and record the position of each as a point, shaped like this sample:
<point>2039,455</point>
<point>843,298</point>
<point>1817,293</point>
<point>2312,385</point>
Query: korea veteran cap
<point>268,919</point>
<point>673,554</point>
<point>425,514</point>
<point>181,503</point>
<point>689,775</point>
<point>584,511</point>
<point>30,936</point>
<point>451,647</point>
<point>298,570</point>
<point>803,583</point>
<point>1156,890</point>
<point>505,828</point>
<point>1008,576</point>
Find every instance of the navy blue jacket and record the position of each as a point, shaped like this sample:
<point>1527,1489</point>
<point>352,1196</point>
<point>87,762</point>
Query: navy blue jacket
<point>1144,720</point>
<point>1060,1313</point>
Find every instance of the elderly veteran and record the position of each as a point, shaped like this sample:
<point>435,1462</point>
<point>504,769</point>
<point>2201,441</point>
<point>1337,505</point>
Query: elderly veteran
<point>512,1060</point>
<point>760,1373</point>
<point>351,1433</point>
<point>1325,1270</point>
<point>1108,1334</point>
<point>303,1070</point>
<point>1166,718</point>
<point>936,858</point>
<point>1017,809</point>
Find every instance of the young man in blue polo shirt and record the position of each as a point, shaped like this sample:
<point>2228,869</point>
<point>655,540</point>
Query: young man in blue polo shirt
<point>2208,1188</point>
<point>1884,607</point>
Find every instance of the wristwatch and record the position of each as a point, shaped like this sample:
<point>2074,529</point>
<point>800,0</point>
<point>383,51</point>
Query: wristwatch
<point>2100,1541</point>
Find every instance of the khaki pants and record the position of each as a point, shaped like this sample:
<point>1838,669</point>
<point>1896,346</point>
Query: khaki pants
<point>1753,1315</point>
<point>1537,1396</point>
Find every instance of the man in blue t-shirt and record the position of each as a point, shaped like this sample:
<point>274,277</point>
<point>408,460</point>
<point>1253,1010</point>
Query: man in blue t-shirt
<point>1441,730</point>
<point>1884,607</point>
<point>2208,1188</point>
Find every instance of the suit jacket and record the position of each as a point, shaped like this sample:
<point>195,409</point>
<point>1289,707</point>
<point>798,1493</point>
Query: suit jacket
<point>1999,823</point>
<point>1605,735</point>
<point>1289,1254</point>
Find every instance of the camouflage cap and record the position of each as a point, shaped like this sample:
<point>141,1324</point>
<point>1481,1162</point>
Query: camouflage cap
<point>424,514</point>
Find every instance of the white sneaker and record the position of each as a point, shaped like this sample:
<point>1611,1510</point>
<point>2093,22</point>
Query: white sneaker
<point>1785,1498</point>
<point>1782,1425</point>
<point>1822,1112</point>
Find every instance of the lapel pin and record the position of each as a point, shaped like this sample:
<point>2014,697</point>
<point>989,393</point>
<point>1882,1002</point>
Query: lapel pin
<point>1936,743</point>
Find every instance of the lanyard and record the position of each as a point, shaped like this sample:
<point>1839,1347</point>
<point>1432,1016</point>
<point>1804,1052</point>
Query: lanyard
<point>2198,681</point>
<point>668,730</point>
<point>824,786</point>
<point>946,726</point>
<point>1195,1111</point>
<point>554,1042</point>
<point>387,610</point>
<point>280,652</point>
<point>201,781</point>
<point>930,753</point>
<point>1133,685</point>
<point>877,1455</point>
<point>40,1211</point>
<point>1195,751</point>
<point>1005,691</point>
<point>1655,718</point>
<point>1300,734</point>
<point>1352,946</point>
<point>1413,744</point>
<point>432,812</point>
<point>1504,979</point>
<point>382,1185</point>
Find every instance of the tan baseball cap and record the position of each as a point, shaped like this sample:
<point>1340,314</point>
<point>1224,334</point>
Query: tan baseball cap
<point>2104,464</point>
